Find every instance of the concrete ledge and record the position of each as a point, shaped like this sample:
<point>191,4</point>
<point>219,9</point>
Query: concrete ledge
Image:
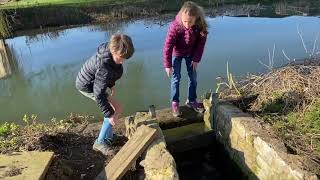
<point>255,148</point>
<point>158,163</point>
<point>25,165</point>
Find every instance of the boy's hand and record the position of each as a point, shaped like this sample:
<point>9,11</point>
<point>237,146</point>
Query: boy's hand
<point>117,110</point>
<point>113,119</point>
<point>168,71</point>
<point>194,65</point>
<point>113,91</point>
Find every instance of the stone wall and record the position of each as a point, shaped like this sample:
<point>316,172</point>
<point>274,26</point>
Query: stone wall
<point>254,147</point>
<point>157,161</point>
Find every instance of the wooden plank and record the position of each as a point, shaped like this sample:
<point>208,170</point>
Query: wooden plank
<point>128,154</point>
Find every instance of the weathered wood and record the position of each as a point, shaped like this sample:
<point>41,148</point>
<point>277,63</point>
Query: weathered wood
<point>129,153</point>
<point>166,120</point>
<point>152,111</point>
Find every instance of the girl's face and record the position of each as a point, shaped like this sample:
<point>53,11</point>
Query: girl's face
<point>187,20</point>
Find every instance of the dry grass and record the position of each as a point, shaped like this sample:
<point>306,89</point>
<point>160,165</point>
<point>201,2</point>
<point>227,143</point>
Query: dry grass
<point>289,99</point>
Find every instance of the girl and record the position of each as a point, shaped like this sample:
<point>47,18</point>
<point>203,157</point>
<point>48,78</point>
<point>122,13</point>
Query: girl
<point>186,39</point>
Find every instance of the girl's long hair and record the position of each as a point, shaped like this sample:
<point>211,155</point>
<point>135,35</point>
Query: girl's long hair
<point>192,9</point>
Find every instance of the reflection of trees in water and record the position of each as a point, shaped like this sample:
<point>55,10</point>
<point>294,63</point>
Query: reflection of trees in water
<point>50,34</point>
<point>111,27</point>
<point>9,61</point>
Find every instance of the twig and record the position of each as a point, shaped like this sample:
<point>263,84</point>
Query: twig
<point>285,55</point>
<point>304,45</point>
<point>274,47</point>
<point>265,65</point>
<point>314,44</point>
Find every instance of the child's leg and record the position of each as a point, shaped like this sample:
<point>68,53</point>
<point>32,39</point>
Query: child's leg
<point>175,79</point>
<point>192,91</point>
<point>105,131</point>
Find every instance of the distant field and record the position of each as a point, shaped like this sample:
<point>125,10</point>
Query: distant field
<point>33,3</point>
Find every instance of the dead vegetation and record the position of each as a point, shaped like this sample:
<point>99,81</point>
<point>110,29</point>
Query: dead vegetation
<point>289,99</point>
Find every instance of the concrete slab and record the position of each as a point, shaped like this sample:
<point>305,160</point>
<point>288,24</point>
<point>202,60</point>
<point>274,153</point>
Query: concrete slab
<point>31,165</point>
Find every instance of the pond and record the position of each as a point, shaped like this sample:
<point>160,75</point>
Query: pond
<point>46,64</point>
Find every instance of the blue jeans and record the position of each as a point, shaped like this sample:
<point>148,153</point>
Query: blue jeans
<point>176,76</point>
<point>106,128</point>
<point>105,131</point>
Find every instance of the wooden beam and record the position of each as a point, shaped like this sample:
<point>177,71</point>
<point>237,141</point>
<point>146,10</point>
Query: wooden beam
<point>128,154</point>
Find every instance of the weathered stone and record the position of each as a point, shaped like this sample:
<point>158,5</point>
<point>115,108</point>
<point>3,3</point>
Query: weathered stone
<point>239,128</point>
<point>255,152</point>
<point>158,163</point>
<point>207,116</point>
<point>262,164</point>
<point>25,165</point>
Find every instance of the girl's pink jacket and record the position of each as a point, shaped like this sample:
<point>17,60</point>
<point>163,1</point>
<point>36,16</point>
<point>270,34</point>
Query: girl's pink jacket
<point>183,42</point>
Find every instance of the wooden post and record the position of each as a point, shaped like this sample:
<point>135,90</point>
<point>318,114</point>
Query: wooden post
<point>5,68</point>
<point>152,111</point>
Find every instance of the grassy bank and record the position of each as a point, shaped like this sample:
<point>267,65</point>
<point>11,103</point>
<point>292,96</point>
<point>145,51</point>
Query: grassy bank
<point>75,3</point>
<point>36,3</point>
<point>70,139</point>
<point>288,99</point>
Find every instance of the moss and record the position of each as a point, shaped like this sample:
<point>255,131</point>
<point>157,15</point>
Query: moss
<point>275,104</point>
<point>312,118</point>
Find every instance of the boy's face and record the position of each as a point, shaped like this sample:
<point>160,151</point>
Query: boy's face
<point>117,58</point>
<point>187,20</point>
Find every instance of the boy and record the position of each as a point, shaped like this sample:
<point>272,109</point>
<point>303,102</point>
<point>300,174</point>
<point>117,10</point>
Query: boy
<point>100,73</point>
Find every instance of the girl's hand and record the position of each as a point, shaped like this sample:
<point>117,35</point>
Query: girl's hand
<point>194,65</point>
<point>113,91</point>
<point>168,71</point>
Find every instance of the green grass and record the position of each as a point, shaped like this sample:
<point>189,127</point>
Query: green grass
<point>7,129</point>
<point>302,131</point>
<point>37,3</point>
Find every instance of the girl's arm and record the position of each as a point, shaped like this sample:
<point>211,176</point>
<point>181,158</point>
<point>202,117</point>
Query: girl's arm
<point>168,45</point>
<point>198,51</point>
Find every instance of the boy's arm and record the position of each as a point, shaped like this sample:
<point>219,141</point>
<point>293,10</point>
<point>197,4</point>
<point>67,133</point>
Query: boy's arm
<point>168,46</point>
<point>198,51</point>
<point>99,91</point>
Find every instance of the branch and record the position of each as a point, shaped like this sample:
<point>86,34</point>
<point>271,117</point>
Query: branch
<point>314,44</point>
<point>304,45</point>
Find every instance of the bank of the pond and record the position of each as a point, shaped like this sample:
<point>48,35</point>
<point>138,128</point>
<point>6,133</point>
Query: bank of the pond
<point>77,3</point>
<point>70,139</point>
<point>287,98</point>
<point>30,14</point>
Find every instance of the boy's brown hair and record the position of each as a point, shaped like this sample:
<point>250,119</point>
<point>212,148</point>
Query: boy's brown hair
<point>192,9</point>
<point>122,45</point>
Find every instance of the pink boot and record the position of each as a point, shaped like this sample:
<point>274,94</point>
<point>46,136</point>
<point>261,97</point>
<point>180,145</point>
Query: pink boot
<point>175,109</point>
